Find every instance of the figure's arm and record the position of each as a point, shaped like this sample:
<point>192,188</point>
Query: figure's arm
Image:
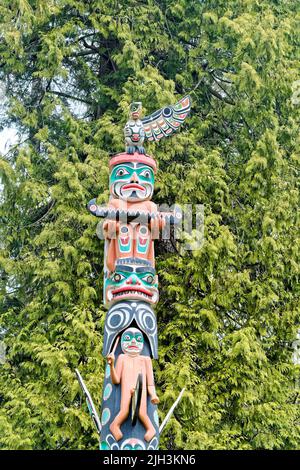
<point>150,381</point>
<point>115,372</point>
<point>151,206</point>
<point>158,223</point>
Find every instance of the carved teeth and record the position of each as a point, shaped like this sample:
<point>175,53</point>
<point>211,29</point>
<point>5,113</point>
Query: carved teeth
<point>131,292</point>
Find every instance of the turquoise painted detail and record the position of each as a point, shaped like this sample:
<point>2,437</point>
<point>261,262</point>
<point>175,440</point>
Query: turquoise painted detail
<point>128,336</point>
<point>107,391</point>
<point>105,416</point>
<point>142,248</point>
<point>123,279</point>
<point>107,371</point>
<point>104,445</point>
<point>134,447</point>
<point>120,277</point>
<point>124,173</point>
<point>133,444</point>
<point>125,239</point>
<point>124,247</point>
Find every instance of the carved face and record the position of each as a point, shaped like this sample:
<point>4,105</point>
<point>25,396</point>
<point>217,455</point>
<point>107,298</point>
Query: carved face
<point>135,110</point>
<point>132,181</point>
<point>131,283</point>
<point>132,342</point>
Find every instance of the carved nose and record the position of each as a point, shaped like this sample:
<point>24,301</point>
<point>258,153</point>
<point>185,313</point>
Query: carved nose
<point>134,178</point>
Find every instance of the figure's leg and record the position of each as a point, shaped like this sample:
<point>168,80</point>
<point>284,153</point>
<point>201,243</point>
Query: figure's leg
<point>115,426</point>
<point>111,255</point>
<point>130,149</point>
<point>141,149</point>
<point>150,429</point>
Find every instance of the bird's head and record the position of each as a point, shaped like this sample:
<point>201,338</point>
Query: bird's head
<point>135,110</point>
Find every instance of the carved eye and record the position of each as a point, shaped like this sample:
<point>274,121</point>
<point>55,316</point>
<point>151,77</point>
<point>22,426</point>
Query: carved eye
<point>118,277</point>
<point>167,112</point>
<point>139,338</point>
<point>146,174</point>
<point>148,278</point>
<point>133,108</point>
<point>122,172</point>
<point>126,338</point>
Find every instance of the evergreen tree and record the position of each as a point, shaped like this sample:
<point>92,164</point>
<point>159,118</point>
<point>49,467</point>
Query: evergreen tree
<point>229,313</point>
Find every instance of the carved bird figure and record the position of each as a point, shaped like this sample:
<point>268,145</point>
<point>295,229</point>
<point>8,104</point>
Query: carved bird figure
<point>161,123</point>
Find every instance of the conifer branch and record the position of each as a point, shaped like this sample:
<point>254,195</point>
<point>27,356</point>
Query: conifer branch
<point>71,97</point>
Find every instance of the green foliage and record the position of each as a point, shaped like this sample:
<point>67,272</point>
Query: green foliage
<point>229,312</point>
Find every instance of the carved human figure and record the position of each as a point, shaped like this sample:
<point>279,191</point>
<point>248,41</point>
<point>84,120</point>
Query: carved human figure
<point>134,130</point>
<point>131,187</point>
<point>129,366</point>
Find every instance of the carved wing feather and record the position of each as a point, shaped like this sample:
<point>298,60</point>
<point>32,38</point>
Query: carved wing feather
<point>167,120</point>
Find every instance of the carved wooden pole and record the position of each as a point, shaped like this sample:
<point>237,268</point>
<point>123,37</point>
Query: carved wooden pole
<point>129,418</point>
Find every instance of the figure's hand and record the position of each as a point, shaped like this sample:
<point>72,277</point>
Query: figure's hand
<point>110,228</point>
<point>154,399</point>
<point>111,359</point>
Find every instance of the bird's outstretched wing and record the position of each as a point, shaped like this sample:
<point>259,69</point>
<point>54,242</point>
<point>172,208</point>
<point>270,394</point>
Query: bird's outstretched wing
<point>167,120</point>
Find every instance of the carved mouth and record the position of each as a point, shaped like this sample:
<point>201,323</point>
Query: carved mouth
<point>132,291</point>
<point>133,186</point>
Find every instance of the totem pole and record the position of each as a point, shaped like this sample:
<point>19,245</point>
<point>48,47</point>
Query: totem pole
<point>129,418</point>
